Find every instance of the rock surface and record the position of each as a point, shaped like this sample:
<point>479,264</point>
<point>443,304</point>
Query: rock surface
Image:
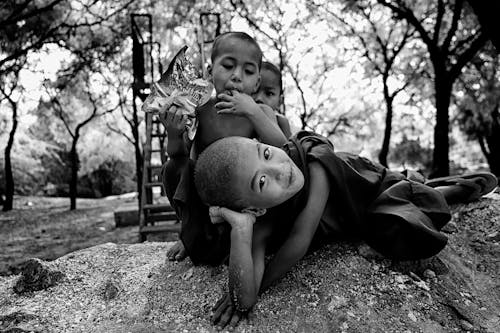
<point>340,288</point>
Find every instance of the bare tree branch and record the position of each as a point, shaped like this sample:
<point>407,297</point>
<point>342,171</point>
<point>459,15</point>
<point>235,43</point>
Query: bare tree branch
<point>457,11</point>
<point>439,19</point>
<point>18,15</point>
<point>467,55</point>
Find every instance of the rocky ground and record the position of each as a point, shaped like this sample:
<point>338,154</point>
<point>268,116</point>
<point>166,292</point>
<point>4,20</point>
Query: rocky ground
<point>340,288</point>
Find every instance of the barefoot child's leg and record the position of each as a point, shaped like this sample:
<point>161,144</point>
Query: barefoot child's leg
<point>464,188</point>
<point>177,252</point>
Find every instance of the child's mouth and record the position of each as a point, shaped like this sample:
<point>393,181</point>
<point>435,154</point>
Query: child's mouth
<point>229,91</point>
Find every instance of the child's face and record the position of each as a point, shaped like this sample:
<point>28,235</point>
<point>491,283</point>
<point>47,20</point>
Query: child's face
<point>269,90</point>
<point>236,67</point>
<point>266,175</point>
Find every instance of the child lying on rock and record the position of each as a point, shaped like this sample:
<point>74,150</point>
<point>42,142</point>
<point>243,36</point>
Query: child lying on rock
<point>314,195</point>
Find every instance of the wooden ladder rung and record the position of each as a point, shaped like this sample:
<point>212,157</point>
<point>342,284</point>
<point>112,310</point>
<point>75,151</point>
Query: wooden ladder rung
<point>153,184</point>
<point>154,166</point>
<point>159,217</point>
<point>160,228</point>
<point>158,207</point>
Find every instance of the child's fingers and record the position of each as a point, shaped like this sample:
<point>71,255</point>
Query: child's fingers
<point>180,119</point>
<point>179,113</point>
<point>224,105</point>
<point>219,310</point>
<point>250,317</point>
<point>231,216</point>
<point>226,317</point>
<point>215,215</point>
<point>235,319</point>
<point>217,219</point>
<point>219,302</point>
<point>225,97</point>
<point>228,111</point>
<point>171,113</point>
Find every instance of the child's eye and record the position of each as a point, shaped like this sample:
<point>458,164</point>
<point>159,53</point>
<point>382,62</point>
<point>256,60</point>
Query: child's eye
<point>249,72</point>
<point>270,94</point>
<point>227,66</point>
<point>262,181</point>
<point>267,153</point>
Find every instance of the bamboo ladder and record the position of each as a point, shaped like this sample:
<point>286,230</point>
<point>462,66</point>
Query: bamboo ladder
<point>155,213</point>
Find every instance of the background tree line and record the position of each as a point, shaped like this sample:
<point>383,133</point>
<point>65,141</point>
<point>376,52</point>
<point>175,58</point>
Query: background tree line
<point>414,84</point>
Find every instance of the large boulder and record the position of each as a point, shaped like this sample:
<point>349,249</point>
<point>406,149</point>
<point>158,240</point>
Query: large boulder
<point>339,288</point>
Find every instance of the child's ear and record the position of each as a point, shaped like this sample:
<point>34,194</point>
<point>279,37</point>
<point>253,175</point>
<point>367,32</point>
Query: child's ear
<point>254,211</point>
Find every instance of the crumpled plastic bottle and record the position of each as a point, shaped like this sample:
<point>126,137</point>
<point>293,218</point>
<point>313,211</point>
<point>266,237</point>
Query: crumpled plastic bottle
<point>181,85</point>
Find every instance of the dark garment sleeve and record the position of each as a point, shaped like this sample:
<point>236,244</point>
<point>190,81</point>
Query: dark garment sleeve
<point>205,242</point>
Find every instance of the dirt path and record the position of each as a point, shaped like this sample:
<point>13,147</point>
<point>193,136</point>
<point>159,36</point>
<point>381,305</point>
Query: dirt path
<point>45,228</point>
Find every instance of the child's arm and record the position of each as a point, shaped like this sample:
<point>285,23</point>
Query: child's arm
<point>175,123</point>
<point>304,227</point>
<point>225,313</point>
<point>261,116</point>
<point>284,124</point>
<point>246,258</point>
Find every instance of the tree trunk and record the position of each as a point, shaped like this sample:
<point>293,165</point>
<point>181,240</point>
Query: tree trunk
<point>9,178</point>
<point>74,174</point>
<point>441,161</point>
<point>493,141</point>
<point>384,151</point>
<point>139,161</point>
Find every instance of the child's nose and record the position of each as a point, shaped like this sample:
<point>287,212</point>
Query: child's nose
<point>236,74</point>
<point>258,98</point>
<point>279,173</point>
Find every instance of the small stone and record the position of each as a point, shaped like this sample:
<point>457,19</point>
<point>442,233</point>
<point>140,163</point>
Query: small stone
<point>110,291</point>
<point>336,303</point>
<point>188,274</point>
<point>37,275</point>
<point>450,228</point>
<point>429,274</point>
<point>368,253</point>
<point>412,316</point>
<point>422,285</point>
<point>493,237</point>
<point>466,325</point>
<point>399,279</point>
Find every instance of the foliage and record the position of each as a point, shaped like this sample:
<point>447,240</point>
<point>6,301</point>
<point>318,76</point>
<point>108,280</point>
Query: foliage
<point>478,94</point>
<point>111,177</point>
<point>330,54</point>
<point>411,155</point>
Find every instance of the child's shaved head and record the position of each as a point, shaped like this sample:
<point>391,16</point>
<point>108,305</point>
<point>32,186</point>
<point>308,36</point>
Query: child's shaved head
<point>215,173</point>
<point>218,42</point>
<point>244,174</point>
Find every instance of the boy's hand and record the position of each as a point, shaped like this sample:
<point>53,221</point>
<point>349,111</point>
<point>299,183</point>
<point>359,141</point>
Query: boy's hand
<point>225,314</point>
<point>174,120</point>
<point>239,104</point>
<point>235,219</point>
